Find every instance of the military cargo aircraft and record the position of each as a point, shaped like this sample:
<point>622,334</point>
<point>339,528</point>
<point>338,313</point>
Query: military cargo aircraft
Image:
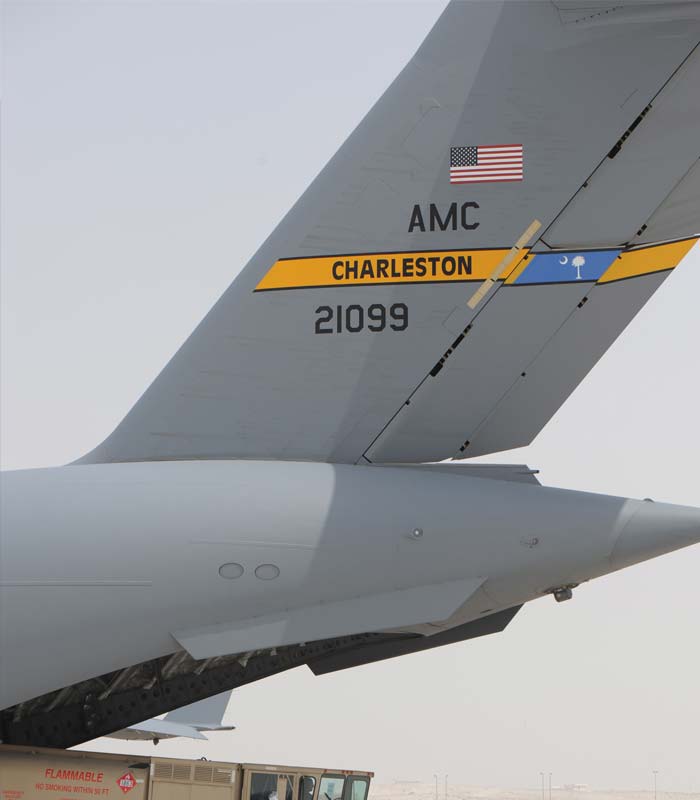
<point>274,497</point>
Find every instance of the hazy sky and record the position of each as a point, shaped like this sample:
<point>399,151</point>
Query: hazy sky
<point>148,149</point>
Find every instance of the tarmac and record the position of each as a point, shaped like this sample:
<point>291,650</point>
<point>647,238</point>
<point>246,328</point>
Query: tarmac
<point>410,790</point>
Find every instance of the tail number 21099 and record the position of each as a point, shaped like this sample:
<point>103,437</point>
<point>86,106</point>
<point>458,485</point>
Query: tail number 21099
<point>355,318</point>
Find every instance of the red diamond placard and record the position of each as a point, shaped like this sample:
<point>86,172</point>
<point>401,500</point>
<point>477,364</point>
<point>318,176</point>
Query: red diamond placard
<point>127,782</point>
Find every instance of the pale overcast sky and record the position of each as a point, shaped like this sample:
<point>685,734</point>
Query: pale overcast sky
<point>148,149</point>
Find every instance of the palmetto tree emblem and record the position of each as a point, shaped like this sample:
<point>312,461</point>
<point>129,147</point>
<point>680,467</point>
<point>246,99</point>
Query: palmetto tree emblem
<point>576,261</point>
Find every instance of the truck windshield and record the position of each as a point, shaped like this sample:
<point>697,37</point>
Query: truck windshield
<point>358,789</point>
<point>331,788</point>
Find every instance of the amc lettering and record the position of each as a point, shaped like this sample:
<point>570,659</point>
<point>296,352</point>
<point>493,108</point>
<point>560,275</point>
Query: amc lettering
<point>450,219</point>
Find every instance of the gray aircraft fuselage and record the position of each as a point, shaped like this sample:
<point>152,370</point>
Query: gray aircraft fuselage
<point>142,560</point>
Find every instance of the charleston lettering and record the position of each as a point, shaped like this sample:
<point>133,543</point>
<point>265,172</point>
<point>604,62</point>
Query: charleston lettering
<point>399,268</point>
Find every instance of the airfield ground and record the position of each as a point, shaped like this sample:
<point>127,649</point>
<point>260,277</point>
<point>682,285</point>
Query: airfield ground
<point>408,790</point>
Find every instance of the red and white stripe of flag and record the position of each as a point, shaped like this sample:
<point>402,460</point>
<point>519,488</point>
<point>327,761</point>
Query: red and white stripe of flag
<point>497,162</point>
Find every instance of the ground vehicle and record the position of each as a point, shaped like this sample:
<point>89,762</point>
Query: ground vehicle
<point>32,773</point>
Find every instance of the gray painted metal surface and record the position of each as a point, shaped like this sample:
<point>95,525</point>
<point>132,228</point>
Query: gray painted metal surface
<point>447,408</point>
<point>631,182</point>
<point>679,214</point>
<point>371,652</point>
<point>595,13</point>
<point>561,365</point>
<point>187,722</point>
<point>254,381</point>
<point>519,473</point>
<point>132,563</point>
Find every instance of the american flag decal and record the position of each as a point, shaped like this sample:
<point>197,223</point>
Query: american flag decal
<point>486,163</point>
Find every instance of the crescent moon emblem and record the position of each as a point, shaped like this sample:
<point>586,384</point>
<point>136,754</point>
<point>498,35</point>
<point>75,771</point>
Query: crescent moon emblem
<point>564,260</point>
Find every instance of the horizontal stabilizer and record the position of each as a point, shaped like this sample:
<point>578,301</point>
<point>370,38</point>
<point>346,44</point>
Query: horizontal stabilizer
<point>377,612</point>
<point>513,473</point>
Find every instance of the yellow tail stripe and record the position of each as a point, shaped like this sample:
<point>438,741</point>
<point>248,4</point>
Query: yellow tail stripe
<point>382,268</point>
<point>448,266</point>
<point>655,258</point>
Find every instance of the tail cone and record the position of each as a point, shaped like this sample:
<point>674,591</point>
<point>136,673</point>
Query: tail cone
<point>655,529</point>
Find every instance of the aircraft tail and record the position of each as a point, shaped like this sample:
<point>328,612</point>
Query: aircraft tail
<point>521,189</point>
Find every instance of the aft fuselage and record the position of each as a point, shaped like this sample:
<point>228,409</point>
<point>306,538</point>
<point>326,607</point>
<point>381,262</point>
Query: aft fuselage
<point>105,566</point>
